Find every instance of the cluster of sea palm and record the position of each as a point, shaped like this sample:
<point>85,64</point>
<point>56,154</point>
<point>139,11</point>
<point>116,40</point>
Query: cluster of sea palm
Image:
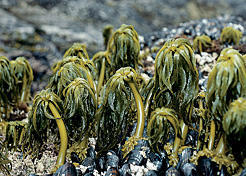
<point>15,82</point>
<point>104,96</point>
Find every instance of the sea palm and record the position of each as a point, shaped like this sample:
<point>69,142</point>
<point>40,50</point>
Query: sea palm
<point>87,66</point>
<point>116,112</point>
<point>66,74</point>
<point>158,129</point>
<point>201,42</point>
<point>23,72</point>
<point>226,83</point>
<point>176,83</point>
<point>47,106</point>
<point>7,87</point>
<point>79,50</point>
<point>80,105</point>
<point>234,125</point>
<point>123,48</point>
<point>102,63</point>
<point>230,35</point>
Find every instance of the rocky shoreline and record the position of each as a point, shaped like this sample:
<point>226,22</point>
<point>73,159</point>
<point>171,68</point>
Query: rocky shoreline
<point>41,49</point>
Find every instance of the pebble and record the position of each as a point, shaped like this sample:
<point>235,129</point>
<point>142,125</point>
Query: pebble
<point>150,165</point>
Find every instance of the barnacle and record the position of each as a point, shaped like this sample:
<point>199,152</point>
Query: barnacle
<point>23,72</point>
<point>201,42</point>
<point>46,106</point>
<point>123,48</point>
<point>234,125</point>
<point>230,35</point>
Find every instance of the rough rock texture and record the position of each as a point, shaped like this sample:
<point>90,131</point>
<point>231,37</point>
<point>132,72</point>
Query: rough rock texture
<point>67,21</point>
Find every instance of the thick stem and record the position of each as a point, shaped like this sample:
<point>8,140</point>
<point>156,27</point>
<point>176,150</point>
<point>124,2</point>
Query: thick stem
<point>212,136</point>
<point>200,47</point>
<point>101,77</point>
<point>206,138</point>
<point>90,80</point>
<point>23,95</point>
<point>140,110</point>
<point>220,149</point>
<point>23,92</point>
<point>184,131</point>
<point>147,102</point>
<point>176,145</point>
<point>63,136</point>
<point>200,130</point>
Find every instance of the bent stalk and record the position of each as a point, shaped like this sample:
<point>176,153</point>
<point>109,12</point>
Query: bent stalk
<point>212,136</point>
<point>184,131</point>
<point>140,110</point>
<point>101,77</point>
<point>63,136</point>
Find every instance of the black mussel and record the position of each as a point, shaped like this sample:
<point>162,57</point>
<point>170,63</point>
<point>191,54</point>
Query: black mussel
<point>172,172</point>
<point>90,164</point>
<point>101,164</point>
<point>185,156</point>
<point>136,156</point>
<point>112,172</point>
<point>151,173</point>
<point>67,169</point>
<point>243,172</point>
<point>158,161</point>
<point>124,170</point>
<point>206,167</point>
<point>188,169</point>
<point>191,138</point>
<point>91,152</point>
<point>79,172</point>
<point>112,160</point>
<point>223,171</point>
<point>75,158</point>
